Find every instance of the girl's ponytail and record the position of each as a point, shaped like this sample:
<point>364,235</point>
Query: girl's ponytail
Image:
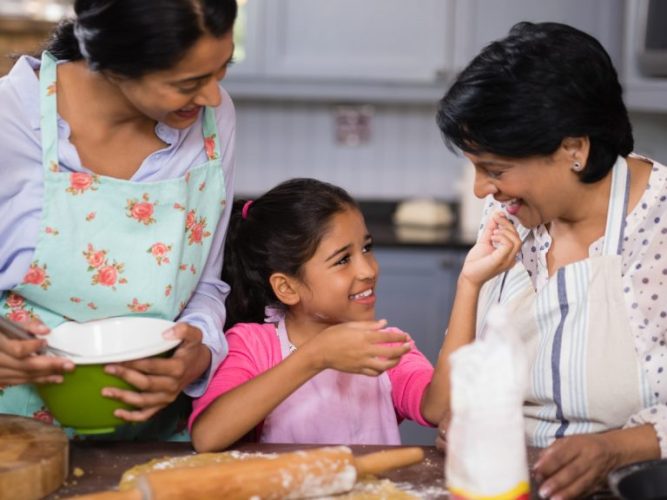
<point>250,292</point>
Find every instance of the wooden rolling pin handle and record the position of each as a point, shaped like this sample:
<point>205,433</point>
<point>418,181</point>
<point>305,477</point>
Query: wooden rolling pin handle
<point>133,494</point>
<point>383,461</point>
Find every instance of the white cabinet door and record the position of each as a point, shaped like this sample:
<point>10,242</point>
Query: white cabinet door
<point>390,40</point>
<point>482,21</point>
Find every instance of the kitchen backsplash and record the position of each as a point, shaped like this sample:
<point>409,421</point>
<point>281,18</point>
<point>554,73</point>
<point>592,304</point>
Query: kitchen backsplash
<point>405,156</point>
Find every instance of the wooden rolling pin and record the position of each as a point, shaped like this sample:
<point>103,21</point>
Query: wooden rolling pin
<point>300,474</point>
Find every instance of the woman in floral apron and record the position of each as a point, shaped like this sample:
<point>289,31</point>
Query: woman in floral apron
<point>117,158</point>
<point>541,116</point>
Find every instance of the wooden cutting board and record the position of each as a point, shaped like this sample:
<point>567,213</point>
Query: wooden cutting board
<point>33,458</point>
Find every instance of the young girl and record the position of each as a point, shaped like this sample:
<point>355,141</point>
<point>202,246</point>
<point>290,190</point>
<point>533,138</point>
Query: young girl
<point>319,368</point>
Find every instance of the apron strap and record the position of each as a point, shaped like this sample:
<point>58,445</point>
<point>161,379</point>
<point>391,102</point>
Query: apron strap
<point>618,207</point>
<point>285,345</point>
<point>49,114</point>
<point>211,131</point>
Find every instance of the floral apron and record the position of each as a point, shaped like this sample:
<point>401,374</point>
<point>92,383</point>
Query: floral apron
<point>585,374</point>
<point>333,407</point>
<point>111,247</point>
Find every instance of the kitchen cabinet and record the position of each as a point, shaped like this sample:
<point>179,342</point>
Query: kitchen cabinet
<point>385,50</point>
<point>642,93</point>
<point>482,21</point>
<point>415,293</point>
<point>376,49</point>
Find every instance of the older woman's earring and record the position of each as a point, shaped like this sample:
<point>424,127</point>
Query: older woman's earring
<point>577,167</point>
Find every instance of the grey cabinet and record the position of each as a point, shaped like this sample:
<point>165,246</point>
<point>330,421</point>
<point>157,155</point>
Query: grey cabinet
<point>385,50</point>
<point>415,293</point>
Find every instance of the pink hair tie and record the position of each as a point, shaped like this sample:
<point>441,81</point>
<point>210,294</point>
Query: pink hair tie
<point>244,210</point>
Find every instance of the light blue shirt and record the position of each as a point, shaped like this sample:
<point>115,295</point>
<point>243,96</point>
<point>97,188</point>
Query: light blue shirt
<point>22,189</point>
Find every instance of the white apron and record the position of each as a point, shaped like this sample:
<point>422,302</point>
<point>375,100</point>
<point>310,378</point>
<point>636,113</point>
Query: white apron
<point>334,408</point>
<point>585,375</point>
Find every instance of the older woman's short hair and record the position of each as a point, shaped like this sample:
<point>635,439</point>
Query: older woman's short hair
<point>522,95</point>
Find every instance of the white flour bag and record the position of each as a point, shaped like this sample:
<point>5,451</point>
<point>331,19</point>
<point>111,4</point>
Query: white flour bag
<point>486,447</point>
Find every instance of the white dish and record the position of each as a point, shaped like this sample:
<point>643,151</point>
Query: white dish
<point>112,340</point>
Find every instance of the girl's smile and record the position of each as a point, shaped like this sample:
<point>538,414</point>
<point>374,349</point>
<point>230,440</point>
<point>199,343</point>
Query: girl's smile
<point>339,279</point>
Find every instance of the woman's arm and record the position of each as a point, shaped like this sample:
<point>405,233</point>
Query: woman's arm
<point>350,347</point>
<point>494,253</point>
<point>206,308</point>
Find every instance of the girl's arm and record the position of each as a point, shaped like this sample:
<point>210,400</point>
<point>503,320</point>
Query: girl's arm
<point>494,253</point>
<point>351,347</point>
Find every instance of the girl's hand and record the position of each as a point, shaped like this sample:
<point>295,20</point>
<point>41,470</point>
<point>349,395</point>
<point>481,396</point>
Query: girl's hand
<point>358,347</point>
<point>495,251</point>
<point>20,362</point>
<point>159,381</point>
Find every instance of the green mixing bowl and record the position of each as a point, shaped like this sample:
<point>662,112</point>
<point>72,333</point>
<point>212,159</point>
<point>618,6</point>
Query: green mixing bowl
<point>77,402</point>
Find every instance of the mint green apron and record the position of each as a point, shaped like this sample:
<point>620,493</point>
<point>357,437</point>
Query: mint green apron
<point>111,247</point>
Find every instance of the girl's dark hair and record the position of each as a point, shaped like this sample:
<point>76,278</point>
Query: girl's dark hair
<point>134,37</point>
<point>281,231</point>
<point>522,95</point>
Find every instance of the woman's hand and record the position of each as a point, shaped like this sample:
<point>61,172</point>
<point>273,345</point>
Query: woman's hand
<point>577,465</point>
<point>159,381</point>
<point>20,362</point>
<point>358,347</point>
<point>494,252</point>
<point>574,466</point>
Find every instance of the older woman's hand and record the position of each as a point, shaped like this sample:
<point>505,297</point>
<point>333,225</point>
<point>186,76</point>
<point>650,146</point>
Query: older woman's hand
<point>494,252</point>
<point>159,381</point>
<point>21,364</point>
<point>574,466</point>
<point>577,465</point>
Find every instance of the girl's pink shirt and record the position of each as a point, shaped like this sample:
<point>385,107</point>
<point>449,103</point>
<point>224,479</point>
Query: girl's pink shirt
<point>254,348</point>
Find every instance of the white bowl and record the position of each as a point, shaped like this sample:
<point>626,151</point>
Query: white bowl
<point>112,340</point>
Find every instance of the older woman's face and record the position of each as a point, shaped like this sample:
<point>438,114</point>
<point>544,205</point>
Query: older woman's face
<point>535,190</point>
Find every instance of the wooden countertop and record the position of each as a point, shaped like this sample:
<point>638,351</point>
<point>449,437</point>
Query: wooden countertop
<point>103,463</point>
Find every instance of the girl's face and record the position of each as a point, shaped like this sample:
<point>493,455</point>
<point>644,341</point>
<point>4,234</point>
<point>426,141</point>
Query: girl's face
<point>176,96</point>
<point>339,279</point>
<point>535,190</point>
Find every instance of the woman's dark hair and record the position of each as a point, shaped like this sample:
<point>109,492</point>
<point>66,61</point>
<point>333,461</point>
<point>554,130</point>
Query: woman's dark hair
<point>281,230</point>
<point>522,95</point>
<point>131,38</point>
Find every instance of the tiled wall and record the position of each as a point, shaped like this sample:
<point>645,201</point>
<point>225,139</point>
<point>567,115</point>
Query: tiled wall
<point>404,158</point>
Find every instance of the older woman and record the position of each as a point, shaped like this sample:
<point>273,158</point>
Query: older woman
<point>541,117</point>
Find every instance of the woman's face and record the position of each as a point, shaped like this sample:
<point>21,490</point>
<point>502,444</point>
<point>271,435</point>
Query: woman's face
<point>176,96</point>
<point>535,190</point>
